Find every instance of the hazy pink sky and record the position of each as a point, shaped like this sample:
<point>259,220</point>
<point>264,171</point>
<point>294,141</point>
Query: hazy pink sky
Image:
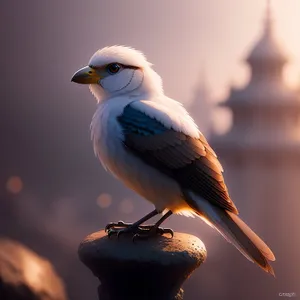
<point>180,37</point>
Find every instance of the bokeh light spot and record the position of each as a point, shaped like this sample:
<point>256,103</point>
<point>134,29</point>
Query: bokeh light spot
<point>104,200</point>
<point>14,185</point>
<point>126,206</point>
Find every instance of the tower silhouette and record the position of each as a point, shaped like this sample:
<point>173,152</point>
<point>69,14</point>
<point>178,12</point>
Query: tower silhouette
<point>201,107</point>
<point>261,158</point>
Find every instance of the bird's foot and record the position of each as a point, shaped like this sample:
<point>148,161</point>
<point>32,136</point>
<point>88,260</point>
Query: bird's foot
<point>152,232</point>
<point>138,232</point>
<point>117,225</point>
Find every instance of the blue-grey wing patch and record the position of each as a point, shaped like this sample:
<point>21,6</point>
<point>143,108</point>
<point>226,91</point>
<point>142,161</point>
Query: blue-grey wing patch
<point>190,161</point>
<point>134,121</point>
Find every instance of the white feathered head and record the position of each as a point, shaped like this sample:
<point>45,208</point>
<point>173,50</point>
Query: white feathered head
<point>117,70</point>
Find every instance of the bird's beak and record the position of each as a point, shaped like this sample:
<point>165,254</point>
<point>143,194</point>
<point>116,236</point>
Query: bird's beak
<point>86,75</point>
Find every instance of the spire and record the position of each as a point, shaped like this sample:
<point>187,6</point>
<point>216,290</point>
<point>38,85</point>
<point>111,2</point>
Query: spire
<point>266,50</point>
<point>268,18</point>
<point>201,105</point>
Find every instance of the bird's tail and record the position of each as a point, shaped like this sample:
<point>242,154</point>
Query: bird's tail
<point>235,231</point>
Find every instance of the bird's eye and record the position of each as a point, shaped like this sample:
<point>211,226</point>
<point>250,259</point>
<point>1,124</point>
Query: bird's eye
<point>113,68</point>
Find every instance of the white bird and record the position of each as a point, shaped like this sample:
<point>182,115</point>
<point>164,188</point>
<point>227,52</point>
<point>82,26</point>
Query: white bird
<point>150,143</point>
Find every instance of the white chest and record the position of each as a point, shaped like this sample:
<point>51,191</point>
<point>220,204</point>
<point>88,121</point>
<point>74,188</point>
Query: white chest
<point>107,134</point>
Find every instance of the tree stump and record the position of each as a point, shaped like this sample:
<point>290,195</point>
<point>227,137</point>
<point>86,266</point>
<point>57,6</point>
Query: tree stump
<point>150,269</point>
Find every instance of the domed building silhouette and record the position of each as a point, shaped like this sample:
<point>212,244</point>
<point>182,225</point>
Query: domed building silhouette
<point>261,158</point>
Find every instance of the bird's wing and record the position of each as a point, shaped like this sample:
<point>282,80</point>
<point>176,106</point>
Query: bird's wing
<point>162,141</point>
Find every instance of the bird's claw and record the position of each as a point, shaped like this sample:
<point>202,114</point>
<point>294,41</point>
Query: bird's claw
<point>163,231</point>
<point>110,232</point>
<point>120,228</point>
<point>139,232</point>
<point>154,231</point>
<point>118,224</point>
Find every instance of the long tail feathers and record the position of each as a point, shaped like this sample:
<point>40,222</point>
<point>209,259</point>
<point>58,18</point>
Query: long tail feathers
<point>245,240</point>
<point>235,231</point>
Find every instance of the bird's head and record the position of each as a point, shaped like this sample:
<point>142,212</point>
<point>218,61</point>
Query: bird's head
<point>117,70</point>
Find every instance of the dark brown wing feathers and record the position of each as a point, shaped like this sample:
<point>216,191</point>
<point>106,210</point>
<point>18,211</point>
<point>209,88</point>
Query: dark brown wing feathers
<point>191,162</point>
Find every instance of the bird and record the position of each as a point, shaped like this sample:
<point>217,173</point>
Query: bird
<point>149,142</point>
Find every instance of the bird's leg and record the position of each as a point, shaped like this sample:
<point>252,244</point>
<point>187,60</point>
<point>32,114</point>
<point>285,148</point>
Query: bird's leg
<point>153,230</point>
<point>122,227</point>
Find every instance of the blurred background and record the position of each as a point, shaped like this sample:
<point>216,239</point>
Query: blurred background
<point>234,64</point>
